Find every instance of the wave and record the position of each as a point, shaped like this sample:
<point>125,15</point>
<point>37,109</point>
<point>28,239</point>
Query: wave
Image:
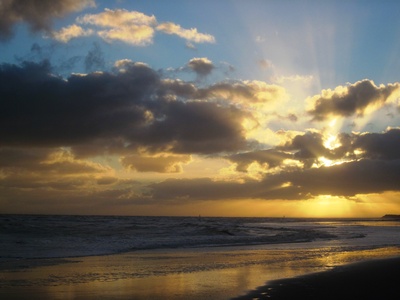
<point>72,236</point>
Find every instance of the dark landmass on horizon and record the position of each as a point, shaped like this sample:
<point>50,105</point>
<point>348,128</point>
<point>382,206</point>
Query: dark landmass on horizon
<point>390,216</point>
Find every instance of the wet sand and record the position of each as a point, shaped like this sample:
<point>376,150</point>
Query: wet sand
<point>217,274</point>
<point>375,279</point>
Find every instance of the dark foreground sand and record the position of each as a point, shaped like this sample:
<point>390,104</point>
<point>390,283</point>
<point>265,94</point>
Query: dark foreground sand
<point>376,279</point>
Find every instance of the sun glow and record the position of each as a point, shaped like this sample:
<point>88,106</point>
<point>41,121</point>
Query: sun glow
<point>328,206</point>
<point>325,162</point>
<point>332,142</point>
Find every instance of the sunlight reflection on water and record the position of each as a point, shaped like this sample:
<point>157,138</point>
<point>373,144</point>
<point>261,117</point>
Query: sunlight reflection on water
<point>196,274</point>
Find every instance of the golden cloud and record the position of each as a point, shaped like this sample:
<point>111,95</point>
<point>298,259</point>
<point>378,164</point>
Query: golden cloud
<point>191,35</point>
<point>131,27</point>
<point>73,31</point>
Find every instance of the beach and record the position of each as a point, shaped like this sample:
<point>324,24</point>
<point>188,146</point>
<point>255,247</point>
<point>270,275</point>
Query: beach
<point>375,279</point>
<point>219,273</point>
<point>111,257</point>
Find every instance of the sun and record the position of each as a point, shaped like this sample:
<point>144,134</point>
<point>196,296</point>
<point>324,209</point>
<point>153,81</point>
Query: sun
<point>327,206</point>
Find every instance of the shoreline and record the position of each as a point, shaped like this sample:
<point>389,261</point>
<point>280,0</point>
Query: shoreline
<point>175,275</point>
<point>369,279</point>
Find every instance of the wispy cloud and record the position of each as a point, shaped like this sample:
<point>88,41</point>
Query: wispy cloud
<point>131,27</point>
<point>191,35</point>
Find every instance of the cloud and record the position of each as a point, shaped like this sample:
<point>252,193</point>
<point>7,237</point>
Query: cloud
<point>202,66</point>
<point>52,127</point>
<point>312,145</point>
<point>291,117</point>
<point>159,163</point>
<point>198,189</point>
<point>45,161</point>
<point>191,35</point>
<point>67,33</point>
<point>375,169</point>
<point>265,64</point>
<point>111,112</point>
<point>271,157</point>
<point>379,145</point>
<point>118,18</point>
<point>347,180</point>
<point>190,46</point>
<point>133,35</point>
<point>94,60</point>
<point>39,14</point>
<point>131,27</point>
<point>196,127</point>
<point>352,99</point>
<point>52,111</point>
<point>246,93</point>
<point>309,145</point>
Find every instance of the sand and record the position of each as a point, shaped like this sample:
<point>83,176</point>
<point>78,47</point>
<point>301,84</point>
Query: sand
<point>215,274</point>
<point>375,279</point>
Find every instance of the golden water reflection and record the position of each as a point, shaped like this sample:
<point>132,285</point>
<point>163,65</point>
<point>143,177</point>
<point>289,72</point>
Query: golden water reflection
<point>191,274</point>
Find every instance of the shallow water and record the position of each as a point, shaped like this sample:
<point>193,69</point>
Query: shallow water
<point>214,264</point>
<point>217,273</point>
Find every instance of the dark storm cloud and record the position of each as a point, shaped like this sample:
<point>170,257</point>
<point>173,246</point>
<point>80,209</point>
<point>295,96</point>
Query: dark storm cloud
<point>347,179</point>
<point>22,158</point>
<point>39,14</point>
<point>195,127</point>
<point>350,100</point>
<point>38,108</point>
<point>129,108</point>
<point>380,145</point>
<point>309,145</point>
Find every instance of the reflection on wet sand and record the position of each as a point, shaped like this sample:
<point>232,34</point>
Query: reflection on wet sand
<point>220,273</point>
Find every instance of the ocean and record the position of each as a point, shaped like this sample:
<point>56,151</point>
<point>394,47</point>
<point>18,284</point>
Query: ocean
<point>40,236</point>
<point>80,251</point>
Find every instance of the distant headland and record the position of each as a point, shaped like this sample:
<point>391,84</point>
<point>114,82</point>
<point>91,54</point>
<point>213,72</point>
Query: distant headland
<point>397,217</point>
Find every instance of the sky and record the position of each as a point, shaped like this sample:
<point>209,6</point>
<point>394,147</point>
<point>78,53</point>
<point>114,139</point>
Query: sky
<point>212,108</point>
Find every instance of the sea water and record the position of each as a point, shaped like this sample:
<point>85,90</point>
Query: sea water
<point>111,257</point>
<point>39,236</point>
